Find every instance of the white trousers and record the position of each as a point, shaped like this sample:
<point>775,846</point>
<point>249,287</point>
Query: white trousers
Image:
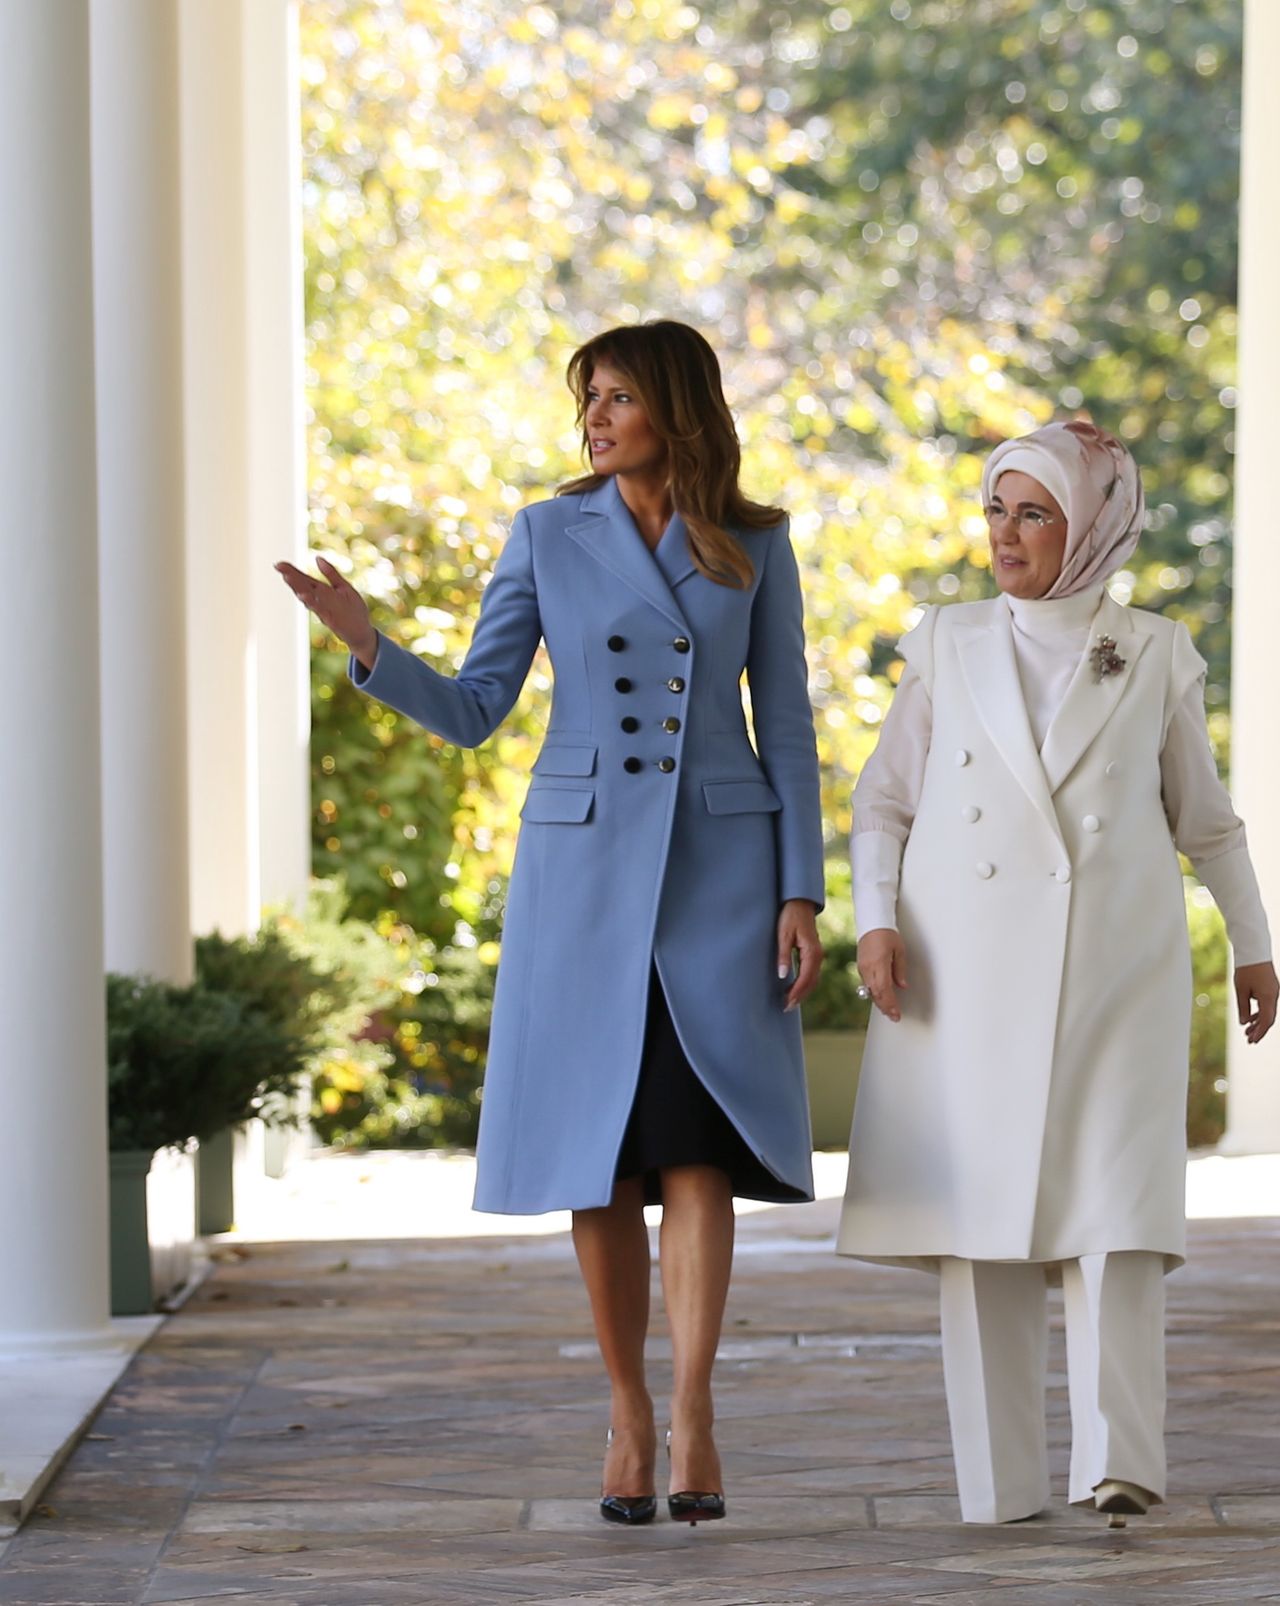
<point>995,1353</point>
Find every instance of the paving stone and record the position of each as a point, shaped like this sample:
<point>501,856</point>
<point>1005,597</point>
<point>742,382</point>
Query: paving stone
<point>352,1516</point>
<point>427,1426</point>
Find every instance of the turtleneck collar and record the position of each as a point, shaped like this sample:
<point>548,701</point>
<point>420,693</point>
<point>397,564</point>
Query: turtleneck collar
<point>1041,617</point>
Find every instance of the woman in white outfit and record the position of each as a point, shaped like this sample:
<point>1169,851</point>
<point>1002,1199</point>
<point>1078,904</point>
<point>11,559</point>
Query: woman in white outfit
<point>1021,1111</point>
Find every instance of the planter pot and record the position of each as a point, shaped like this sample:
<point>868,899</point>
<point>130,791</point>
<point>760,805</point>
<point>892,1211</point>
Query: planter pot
<point>832,1061</point>
<point>215,1188</point>
<point>130,1245</point>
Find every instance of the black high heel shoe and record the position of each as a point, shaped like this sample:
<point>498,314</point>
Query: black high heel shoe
<point>691,1505</point>
<point>632,1510</point>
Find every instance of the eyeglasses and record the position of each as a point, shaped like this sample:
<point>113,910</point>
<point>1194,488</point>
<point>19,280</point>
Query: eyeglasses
<point>1031,521</point>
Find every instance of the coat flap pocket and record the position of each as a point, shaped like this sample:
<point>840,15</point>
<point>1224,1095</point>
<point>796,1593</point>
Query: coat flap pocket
<point>740,797</point>
<point>558,804</point>
<point>558,760</point>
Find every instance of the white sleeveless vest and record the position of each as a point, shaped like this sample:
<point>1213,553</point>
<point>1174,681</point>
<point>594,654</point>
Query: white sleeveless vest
<point>1030,1105</point>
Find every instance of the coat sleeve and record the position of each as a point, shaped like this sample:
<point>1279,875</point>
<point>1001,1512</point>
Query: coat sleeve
<point>468,707</point>
<point>888,790</point>
<point>782,718</point>
<point>1202,819</point>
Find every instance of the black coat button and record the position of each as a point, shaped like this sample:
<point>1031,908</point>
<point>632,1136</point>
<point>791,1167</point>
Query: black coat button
<point>666,765</point>
<point>630,724</point>
<point>672,724</point>
<point>675,684</point>
<point>633,766</point>
<point>616,643</point>
<point>622,685</point>
<point>681,644</point>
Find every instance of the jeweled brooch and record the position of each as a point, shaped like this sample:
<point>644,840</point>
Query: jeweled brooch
<point>1105,659</point>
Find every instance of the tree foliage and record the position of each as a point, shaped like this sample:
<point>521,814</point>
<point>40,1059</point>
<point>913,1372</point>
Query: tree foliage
<point>910,227</point>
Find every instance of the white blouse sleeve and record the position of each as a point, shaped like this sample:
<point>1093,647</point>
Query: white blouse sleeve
<point>1207,828</point>
<point>888,790</point>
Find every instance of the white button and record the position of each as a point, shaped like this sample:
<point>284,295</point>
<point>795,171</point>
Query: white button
<point>971,812</point>
<point>1091,822</point>
<point>962,758</point>
<point>985,870</point>
<point>1062,873</point>
<point>1112,769</point>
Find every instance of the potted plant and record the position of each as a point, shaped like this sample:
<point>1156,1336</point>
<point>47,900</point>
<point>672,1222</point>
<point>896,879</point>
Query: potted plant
<point>269,977</point>
<point>835,1030</point>
<point>183,1063</point>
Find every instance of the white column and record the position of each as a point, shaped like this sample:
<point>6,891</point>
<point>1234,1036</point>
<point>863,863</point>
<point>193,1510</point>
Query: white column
<point>246,499</point>
<point>53,1138</point>
<point>1253,1099</point>
<point>277,442</point>
<point>138,329</point>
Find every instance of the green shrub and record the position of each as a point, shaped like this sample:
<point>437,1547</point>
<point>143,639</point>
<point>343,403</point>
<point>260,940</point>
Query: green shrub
<point>185,1062</point>
<point>401,1057</point>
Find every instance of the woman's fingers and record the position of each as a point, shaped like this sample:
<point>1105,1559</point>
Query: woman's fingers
<point>1257,995</point>
<point>884,996</point>
<point>878,977</point>
<point>810,968</point>
<point>882,964</point>
<point>335,576</point>
<point>334,600</point>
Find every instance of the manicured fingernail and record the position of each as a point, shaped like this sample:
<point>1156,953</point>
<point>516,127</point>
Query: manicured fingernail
<point>783,971</point>
<point>788,1009</point>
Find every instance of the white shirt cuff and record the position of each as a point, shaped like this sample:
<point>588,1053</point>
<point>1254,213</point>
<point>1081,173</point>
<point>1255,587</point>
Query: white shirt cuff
<point>1231,879</point>
<point>876,857</point>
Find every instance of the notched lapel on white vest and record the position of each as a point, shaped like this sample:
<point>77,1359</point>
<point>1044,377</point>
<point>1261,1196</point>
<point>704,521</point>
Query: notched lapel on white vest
<point>611,537</point>
<point>1090,703</point>
<point>991,670</point>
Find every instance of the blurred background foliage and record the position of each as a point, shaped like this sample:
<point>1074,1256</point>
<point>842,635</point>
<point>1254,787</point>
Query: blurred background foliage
<point>910,228</point>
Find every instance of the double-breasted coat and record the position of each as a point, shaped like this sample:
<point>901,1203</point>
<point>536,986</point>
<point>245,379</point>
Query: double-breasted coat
<point>1030,1104</point>
<point>653,832</point>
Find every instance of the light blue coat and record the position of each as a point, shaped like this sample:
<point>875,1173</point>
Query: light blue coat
<point>672,840</point>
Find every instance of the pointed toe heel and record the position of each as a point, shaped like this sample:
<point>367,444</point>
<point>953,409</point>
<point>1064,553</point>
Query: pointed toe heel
<point>632,1511</point>
<point>1118,1501</point>
<point>691,1505</point>
<point>693,1508</point>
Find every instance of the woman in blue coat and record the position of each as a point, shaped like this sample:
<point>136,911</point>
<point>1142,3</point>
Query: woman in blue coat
<point>645,1042</point>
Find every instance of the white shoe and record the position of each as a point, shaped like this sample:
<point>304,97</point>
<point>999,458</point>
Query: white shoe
<point>1121,1500</point>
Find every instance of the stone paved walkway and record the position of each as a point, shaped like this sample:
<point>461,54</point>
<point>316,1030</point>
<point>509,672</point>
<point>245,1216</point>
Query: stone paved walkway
<point>366,1424</point>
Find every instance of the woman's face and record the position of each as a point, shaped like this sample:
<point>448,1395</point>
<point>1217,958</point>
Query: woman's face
<point>1028,535</point>
<point>619,434</point>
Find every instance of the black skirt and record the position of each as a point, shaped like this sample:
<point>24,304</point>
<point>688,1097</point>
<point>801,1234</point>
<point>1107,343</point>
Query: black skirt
<point>674,1121</point>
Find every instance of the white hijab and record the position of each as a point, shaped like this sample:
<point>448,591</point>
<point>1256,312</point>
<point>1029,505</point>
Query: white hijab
<point>1095,481</point>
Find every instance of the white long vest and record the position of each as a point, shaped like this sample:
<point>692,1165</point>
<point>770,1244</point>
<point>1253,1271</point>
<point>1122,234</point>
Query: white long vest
<point>1030,1105</point>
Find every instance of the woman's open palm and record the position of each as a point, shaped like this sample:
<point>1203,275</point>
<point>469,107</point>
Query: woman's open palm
<point>336,604</point>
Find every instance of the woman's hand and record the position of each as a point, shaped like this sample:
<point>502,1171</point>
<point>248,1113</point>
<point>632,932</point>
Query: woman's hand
<point>798,932</point>
<point>1257,991</point>
<point>882,964</point>
<point>338,606</point>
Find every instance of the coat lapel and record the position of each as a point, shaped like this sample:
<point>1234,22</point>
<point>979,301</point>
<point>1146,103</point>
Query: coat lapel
<point>609,534</point>
<point>673,555</point>
<point>1090,703</point>
<point>991,671</point>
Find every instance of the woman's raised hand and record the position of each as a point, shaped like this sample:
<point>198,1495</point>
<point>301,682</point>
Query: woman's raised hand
<point>882,964</point>
<point>1257,993</point>
<point>337,605</point>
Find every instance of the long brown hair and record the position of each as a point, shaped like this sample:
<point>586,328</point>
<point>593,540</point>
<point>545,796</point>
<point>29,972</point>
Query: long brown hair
<point>676,379</point>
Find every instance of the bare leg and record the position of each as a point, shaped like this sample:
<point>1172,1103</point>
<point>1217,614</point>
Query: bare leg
<point>613,1254</point>
<point>696,1258</point>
